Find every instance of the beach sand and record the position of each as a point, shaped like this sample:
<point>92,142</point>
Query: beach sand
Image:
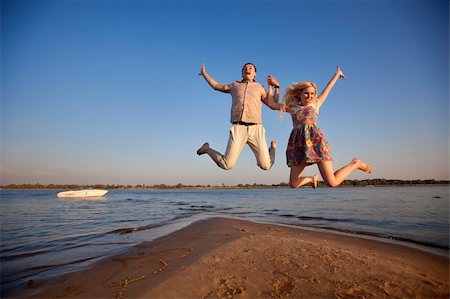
<point>228,258</point>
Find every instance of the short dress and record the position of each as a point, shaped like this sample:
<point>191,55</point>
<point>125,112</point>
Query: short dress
<point>306,142</point>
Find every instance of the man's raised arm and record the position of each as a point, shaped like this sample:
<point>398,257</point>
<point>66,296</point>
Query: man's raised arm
<point>213,83</point>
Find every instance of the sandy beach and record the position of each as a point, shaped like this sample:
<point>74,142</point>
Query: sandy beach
<point>227,258</point>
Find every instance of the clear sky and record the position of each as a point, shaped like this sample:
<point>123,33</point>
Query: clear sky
<point>108,91</point>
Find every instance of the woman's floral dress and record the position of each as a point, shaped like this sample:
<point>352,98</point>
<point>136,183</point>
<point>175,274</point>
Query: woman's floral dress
<point>306,142</point>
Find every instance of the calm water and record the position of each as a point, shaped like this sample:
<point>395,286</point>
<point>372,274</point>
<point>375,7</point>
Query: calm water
<point>43,236</point>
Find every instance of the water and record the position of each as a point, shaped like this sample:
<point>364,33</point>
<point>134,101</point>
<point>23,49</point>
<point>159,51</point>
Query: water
<point>43,236</point>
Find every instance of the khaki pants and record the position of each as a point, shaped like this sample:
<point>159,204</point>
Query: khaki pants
<point>255,137</point>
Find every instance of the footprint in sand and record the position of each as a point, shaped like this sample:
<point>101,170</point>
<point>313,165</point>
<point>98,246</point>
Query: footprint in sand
<point>159,261</point>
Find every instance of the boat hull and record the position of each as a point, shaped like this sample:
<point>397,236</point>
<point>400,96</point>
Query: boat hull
<point>82,193</point>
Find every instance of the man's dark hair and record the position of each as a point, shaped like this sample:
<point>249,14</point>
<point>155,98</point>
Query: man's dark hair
<point>250,64</point>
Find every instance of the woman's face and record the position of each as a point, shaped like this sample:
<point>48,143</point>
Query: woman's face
<point>308,96</point>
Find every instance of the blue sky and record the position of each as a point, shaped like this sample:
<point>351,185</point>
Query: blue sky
<point>109,92</point>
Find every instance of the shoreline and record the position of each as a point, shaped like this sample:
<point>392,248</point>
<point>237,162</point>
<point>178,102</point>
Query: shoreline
<point>223,257</point>
<point>247,186</point>
<point>434,249</point>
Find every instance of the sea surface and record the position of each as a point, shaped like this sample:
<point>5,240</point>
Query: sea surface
<point>43,236</point>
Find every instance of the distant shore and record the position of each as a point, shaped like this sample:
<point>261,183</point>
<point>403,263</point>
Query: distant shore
<point>346,183</point>
<point>228,258</point>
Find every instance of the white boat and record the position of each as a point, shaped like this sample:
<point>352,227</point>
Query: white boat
<point>83,193</point>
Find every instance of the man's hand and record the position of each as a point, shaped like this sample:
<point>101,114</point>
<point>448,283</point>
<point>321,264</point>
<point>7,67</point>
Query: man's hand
<point>202,70</point>
<point>272,81</point>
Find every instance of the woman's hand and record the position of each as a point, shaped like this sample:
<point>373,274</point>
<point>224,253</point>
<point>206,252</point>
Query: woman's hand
<point>340,73</point>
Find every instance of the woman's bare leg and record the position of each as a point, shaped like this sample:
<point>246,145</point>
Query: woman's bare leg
<point>295,180</point>
<point>334,179</point>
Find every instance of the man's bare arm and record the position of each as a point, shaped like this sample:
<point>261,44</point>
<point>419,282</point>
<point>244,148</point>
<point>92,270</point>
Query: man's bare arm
<point>213,83</point>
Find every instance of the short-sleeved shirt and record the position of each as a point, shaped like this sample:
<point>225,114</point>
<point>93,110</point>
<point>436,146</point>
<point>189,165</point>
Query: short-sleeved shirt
<point>246,101</point>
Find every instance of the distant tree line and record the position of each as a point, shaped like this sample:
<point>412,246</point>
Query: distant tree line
<point>346,183</point>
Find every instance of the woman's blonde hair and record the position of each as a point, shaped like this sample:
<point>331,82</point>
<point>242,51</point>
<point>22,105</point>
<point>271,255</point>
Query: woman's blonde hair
<point>292,94</point>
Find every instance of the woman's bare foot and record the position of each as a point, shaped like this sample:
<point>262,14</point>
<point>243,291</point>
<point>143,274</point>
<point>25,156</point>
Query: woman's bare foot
<point>362,166</point>
<point>315,181</point>
<point>204,149</point>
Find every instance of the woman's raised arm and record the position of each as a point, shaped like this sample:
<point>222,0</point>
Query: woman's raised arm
<point>324,94</point>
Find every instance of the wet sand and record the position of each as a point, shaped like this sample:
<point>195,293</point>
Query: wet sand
<point>227,258</point>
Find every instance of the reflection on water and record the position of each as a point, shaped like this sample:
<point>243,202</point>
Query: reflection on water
<point>42,235</point>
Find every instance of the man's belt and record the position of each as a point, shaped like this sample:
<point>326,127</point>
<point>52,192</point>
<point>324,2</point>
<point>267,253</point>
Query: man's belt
<point>243,123</point>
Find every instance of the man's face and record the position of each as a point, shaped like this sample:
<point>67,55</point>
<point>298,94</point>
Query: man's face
<point>248,72</point>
